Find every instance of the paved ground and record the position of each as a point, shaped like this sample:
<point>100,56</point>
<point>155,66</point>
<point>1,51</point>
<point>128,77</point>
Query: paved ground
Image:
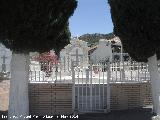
<point>136,114</point>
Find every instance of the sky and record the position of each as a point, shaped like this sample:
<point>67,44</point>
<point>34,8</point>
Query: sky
<point>91,16</point>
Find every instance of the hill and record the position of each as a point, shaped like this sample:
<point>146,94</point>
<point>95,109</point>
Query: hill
<point>93,39</point>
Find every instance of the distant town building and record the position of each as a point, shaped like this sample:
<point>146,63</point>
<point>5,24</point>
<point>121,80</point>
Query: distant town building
<point>117,50</point>
<point>116,46</point>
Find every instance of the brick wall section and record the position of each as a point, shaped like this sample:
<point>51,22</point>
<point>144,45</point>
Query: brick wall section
<point>50,99</point>
<point>130,95</point>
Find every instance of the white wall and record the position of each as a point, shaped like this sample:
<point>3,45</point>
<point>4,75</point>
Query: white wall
<point>102,52</point>
<point>69,52</point>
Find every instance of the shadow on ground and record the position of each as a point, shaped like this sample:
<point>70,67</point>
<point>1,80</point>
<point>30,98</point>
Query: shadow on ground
<point>134,114</point>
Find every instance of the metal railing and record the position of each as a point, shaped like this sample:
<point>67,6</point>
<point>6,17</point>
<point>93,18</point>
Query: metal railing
<point>120,72</point>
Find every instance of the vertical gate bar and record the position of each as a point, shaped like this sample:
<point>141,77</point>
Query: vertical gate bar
<point>116,76</point>
<point>145,75</point>
<point>49,67</point>
<point>91,108</point>
<point>31,75</point>
<point>95,96</point>
<point>113,66</point>
<point>60,67</point>
<point>86,91</point>
<point>95,91</point>
<point>64,63</point>
<point>52,76</point>
<point>82,91</point>
<point>51,99</point>
<point>130,65</point>
<point>99,84</point>
<point>68,63</point>
<point>138,71</point>
<point>106,82</point>
<point>120,70</point>
<point>43,77</point>
<point>78,89</point>
<point>131,75</point>
<point>108,87</point>
<point>56,72</point>
<point>35,75</point>
<point>148,71</point>
<point>110,69</point>
<point>103,85</point>
<point>77,58</point>
<point>73,88</point>
<point>123,71</point>
<point>133,65</point>
<point>39,75</point>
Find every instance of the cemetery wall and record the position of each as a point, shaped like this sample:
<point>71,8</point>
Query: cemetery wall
<point>130,95</point>
<point>51,99</point>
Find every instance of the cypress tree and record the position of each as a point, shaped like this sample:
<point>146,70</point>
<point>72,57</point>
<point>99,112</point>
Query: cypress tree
<point>137,23</point>
<point>31,26</point>
<point>34,25</point>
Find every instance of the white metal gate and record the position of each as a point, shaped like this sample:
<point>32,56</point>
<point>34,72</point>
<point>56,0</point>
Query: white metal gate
<point>90,84</point>
<point>91,88</point>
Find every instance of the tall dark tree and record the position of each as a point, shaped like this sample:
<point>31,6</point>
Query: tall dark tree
<point>137,23</point>
<point>26,24</point>
<point>62,40</point>
<point>31,26</point>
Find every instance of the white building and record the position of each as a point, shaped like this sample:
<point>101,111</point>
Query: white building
<point>102,53</point>
<point>76,51</point>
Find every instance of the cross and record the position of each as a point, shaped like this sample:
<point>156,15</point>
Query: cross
<point>4,63</point>
<point>77,56</point>
<point>68,62</point>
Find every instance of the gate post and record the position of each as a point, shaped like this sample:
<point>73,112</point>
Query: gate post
<point>108,87</point>
<point>73,87</point>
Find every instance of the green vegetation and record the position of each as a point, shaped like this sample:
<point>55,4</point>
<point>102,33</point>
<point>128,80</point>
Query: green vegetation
<point>93,39</point>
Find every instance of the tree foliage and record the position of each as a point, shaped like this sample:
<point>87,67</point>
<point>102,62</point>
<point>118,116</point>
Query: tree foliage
<point>35,25</point>
<point>137,23</point>
<point>62,40</point>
